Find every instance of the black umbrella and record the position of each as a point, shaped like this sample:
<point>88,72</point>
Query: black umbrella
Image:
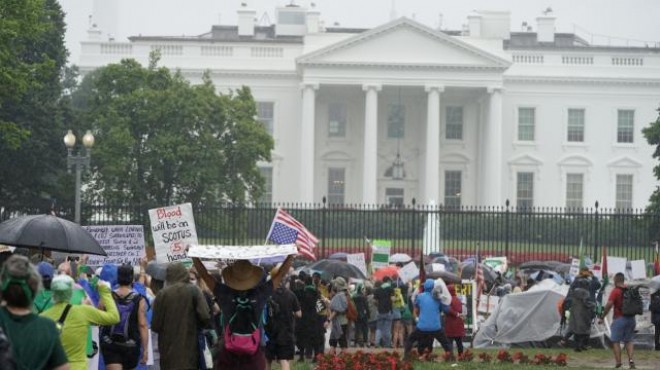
<point>467,272</point>
<point>337,268</point>
<point>448,277</point>
<point>48,232</point>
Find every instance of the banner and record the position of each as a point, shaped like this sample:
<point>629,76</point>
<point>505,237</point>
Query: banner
<point>638,269</point>
<point>173,229</point>
<point>575,267</point>
<point>242,252</point>
<point>358,260</point>
<point>380,256</point>
<point>466,293</point>
<point>124,244</point>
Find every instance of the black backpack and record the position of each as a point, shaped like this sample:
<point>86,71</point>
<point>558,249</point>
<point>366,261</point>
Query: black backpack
<point>6,353</point>
<point>272,313</point>
<point>632,302</point>
<point>126,332</point>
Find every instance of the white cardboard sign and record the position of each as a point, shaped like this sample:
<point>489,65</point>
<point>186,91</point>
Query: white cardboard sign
<point>615,265</point>
<point>358,260</point>
<point>575,267</point>
<point>124,244</point>
<point>638,268</point>
<point>408,272</point>
<point>242,252</point>
<point>173,230</point>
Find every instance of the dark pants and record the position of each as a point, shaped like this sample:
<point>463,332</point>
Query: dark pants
<point>657,337</point>
<point>228,360</point>
<point>361,332</point>
<point>425,340</point>
<point>341,341</point>
<point>581,341</point>
<point>459,344</point>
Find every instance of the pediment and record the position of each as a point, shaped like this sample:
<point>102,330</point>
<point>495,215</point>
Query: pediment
<point>575,160</point>
<point>525,160</point>
<point>625,162</point>
<point>404,42</point>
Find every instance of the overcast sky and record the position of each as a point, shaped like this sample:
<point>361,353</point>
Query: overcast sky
<point>624,19</point>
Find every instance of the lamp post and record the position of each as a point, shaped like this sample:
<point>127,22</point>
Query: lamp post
<point>78,161</point>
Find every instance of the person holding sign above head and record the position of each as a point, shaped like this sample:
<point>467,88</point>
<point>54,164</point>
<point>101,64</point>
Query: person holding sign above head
<point>242,297</point>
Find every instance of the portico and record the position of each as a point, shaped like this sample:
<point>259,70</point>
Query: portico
<point>426,78</point>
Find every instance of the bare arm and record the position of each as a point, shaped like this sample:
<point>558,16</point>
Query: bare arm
<point>283,270</point>
<point>204,274</point>
<point>144,330</point>
<point>607,309</point>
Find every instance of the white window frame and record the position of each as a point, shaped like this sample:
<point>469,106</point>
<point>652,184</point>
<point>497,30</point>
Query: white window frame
<point>395,200</point>
<point>632,192</point>
<point>462,125</point>
<point>389,108</point>
<point>616,126</point>
<point>534,188</point>
<point>568,126</point>
<point>271,129</point>
<point>459,195</point>
<point>566,191</point>
<point>330,193</point>
<point>268,191</point>
<point>517,123</point>
<point>343,134</point>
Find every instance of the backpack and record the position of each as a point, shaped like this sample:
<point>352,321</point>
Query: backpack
<point>241,333</point>
<point>6,354</point>
<point>654,306</point>
<point>351,310</point>
<point>125,332</point>
<point>632,302</point>
<point>272,313</point>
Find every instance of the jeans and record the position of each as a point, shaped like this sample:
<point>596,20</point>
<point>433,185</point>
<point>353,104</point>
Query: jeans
<point>384,330</point>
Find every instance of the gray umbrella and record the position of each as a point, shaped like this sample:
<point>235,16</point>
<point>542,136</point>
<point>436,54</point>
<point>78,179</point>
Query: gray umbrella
<point>448,277</point>
<point>336,268</point>
<point>48,232</point>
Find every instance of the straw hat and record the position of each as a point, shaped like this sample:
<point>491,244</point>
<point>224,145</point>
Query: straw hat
<point>242,275</point>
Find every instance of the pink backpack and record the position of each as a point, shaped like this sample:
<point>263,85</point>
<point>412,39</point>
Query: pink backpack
<point>242,336</point>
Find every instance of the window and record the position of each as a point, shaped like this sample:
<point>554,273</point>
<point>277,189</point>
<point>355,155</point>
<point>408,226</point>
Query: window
<point>454,121</point>
<point>336,186</point>
<point>336,120</point>
<point>265,113</point>
<point>625,126</point>
<point>574,190</point>
<point>575,132</point>
<point>453,188</point>
<point>624,192</point>
<point>396,119</point>
<point>267,174</point>
<point>525,195</point>
<point>526,120</point>
<point>394,197</point>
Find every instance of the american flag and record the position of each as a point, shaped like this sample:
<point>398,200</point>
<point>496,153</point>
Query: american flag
<point>287,230</point>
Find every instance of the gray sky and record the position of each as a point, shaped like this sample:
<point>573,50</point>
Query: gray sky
<point>624,19</point>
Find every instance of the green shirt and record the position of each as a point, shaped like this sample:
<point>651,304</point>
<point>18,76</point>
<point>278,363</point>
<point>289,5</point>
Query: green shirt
<point>35,341</point>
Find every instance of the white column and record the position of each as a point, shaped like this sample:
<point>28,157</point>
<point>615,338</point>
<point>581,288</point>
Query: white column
<point>370,169</point>
<point>307,142</point>
<point>431,165</point>
<point>492,179</point>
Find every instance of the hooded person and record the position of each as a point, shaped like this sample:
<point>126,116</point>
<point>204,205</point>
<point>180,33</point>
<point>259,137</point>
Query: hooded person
<point>242,295</point>
<point>19,283</point>
<point>454,325</point>
<point>338,320</point>
<point>179,313</point>
<point>44,299</point>
<point>429,324</point>
<point>75,319</point>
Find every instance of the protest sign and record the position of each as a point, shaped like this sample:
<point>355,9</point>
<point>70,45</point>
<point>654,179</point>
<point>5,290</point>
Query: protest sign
<point>173,230</point>
<point>466,293</point>
<point>380,256</point>
<point>124,244</point>
<point>408,272</point>
<point>638,269</point>
<point>616,264</point>
<point>357,260</point>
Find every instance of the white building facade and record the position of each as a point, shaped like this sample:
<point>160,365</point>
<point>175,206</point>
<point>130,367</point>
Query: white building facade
<point>404,111</point>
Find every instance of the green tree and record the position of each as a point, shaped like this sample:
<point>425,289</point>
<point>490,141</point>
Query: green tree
<point>652,135</point>
<point>161,140</point>
<point>32,111</point>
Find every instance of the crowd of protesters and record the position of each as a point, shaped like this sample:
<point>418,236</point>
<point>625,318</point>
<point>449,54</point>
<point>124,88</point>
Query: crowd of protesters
<point>243,316</point>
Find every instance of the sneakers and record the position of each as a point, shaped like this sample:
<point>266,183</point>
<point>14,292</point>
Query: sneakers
<point>617,366</point>
<point>632,365</point>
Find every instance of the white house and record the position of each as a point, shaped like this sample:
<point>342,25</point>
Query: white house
<point>403,111</point>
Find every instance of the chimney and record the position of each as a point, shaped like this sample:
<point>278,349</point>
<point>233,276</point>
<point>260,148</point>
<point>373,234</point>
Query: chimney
<point>474,25</point>
<point>94,33</point>
<point>313,21</point>
<point>545,28</point>
<point>246,21</point>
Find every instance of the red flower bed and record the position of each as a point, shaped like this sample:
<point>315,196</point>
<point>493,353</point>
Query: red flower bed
<point>363,361</point>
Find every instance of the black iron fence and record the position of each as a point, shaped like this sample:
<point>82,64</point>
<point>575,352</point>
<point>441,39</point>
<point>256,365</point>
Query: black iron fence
<point>519,234</point>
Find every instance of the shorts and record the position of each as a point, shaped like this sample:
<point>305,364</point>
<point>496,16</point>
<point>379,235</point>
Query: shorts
<point>277,351</point>
<point>623,329</point>
<point>128,357</point>
<point>373,325</point>
<point>396,314</point>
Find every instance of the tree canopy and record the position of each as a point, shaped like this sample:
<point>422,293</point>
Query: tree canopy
<point>32,109</point>
<point>652,135</point>
<point>161,140</point>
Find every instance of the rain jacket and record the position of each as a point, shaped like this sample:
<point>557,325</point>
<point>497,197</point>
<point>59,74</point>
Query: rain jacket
<point>582,309</point>
<point>429,309</point>
<point>179,311</point>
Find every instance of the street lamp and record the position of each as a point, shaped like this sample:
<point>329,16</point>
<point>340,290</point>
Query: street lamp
<point>78,161</point>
